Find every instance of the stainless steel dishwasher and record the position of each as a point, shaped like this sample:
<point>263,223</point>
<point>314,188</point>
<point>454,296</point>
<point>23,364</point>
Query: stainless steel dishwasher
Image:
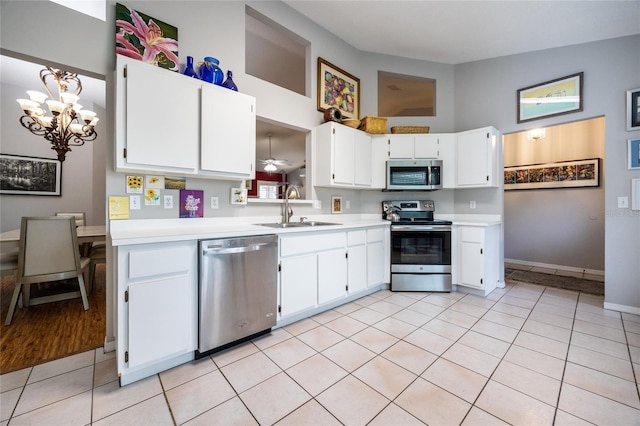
<point>237,290</point>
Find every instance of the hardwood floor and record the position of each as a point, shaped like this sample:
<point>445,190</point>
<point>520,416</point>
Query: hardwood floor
<point>50,331</point>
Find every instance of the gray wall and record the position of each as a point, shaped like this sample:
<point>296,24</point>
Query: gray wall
<point>611,67</point>
<point>484,95</point>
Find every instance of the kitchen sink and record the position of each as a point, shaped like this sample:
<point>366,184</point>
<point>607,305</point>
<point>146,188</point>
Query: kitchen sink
<point>297,224</point>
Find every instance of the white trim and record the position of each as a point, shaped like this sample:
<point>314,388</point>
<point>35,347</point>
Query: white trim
<point>109,346</point>
<point>622,308</point>
<point>552,266</point>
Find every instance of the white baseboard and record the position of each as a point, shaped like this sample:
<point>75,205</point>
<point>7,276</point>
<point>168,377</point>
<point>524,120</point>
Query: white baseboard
<point>109,346</point>
<point>622,308</point>
<point>552,266</point>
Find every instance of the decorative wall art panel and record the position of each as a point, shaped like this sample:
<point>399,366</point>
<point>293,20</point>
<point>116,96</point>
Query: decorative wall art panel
<point>21,175</point>
<point>565,174</point>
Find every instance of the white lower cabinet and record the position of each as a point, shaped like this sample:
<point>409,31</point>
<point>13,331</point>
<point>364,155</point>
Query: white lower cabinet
<point>478,257</point>
<point>320,269</point>
<point>157,307</point>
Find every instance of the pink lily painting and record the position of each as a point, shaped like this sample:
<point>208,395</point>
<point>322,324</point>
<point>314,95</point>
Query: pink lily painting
<point>147,39</point>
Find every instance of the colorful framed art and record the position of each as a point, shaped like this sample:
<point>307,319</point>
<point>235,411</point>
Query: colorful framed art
<point>565,174</point>
<point>634,154</point>
<point>551,98</point>
<point>338,89</point>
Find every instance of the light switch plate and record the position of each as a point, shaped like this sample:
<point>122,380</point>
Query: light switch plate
<point>134,202</point>
<point>623,202</point>
<point>347,204</point>
<point>317,204</point>
<point>168,201</point>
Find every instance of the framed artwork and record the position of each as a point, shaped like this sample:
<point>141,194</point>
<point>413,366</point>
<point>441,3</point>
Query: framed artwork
<point>172,182</point>
<point>555,97</point>
<point>565,174</point>
<point>191,203</point>
<point>21,175</point>
<point>134,28</point>
<point>239,196</point>
<point>336,205</point>
<point>634,153</point>
<point>633,109</point>
<point>338,89</point>
<point>135,184</point>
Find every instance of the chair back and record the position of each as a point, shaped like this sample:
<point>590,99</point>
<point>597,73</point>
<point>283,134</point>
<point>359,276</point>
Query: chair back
<point>48,249</point>
<point>81,218</point>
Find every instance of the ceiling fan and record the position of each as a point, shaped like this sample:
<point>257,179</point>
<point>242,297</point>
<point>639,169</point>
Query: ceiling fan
<point>271,163</point>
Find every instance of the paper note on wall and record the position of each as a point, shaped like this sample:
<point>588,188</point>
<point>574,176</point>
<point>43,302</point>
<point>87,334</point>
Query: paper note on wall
<point>118,208</point>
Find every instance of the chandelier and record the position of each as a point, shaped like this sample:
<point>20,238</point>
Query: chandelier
<point>69,124</point>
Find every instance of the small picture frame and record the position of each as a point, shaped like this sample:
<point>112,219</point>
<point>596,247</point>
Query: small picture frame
<point>555,97</point>
<point>239,196</point>
<point>633,109</point>
<point>634,154</point>
<point>338,89</point>
<point>336,205</point>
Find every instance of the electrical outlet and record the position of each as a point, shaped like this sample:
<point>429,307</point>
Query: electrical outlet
<point>168,201</point>
<point>214,202</point>
<point>472,204</point>
<point>134,202</point>
<point>623,202</point>
<point>347,204</point>
<point>317,204</point>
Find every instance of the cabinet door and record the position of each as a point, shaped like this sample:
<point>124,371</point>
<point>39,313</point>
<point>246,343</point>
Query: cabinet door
<point>298,283</point>
<point>426,146</point>
<point>343,143</point>
<point>362,160</point>
<point>473,154</point>
<point>160,321</point>
<point>228,132</point>
<point>332,275</point>
<point>380,154</point>
<point>160,281</point>
<point>471,269</point>
<point>401,146</point>
<point>357,268</point>
<point>161,108</point>
<point>376,263</point>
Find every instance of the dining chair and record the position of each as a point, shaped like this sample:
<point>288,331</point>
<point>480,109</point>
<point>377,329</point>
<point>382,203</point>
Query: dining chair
<point>48,252</point>
<point>81,218</point>
<point>8,261</point>
<point>98,254</point>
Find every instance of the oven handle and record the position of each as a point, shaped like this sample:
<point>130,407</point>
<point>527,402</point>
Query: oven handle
<point>420,228</point>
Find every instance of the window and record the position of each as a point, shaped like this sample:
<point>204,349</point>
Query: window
<point>275,54</point>
<point>405,96</point>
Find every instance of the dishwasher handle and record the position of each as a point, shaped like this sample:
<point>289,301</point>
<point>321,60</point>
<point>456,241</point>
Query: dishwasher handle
<point>219,249</point>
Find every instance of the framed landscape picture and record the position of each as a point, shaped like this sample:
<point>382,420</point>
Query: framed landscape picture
<point>555,97</point>
<point>21,175</point>
<point>634,154</point>
<point>633,109</point>
<point>338,89</point>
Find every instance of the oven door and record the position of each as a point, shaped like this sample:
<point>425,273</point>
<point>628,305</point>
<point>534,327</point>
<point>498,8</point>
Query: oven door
<point>420,249</point>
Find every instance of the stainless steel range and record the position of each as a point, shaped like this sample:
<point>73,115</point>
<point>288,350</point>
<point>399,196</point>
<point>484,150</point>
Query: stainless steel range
<point>420,247</point>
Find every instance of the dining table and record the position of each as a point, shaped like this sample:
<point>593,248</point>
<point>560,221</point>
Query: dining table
<point>87,235</point>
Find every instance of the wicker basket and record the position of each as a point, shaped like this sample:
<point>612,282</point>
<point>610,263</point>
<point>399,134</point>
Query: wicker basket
<point>351,122</point>
<point>410,129</point>
<point>374,125</point>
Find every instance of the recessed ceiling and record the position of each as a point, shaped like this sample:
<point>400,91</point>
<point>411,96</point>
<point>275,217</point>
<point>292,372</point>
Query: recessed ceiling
<point>454,32</point>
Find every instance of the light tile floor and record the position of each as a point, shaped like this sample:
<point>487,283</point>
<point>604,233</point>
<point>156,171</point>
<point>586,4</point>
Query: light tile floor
<point>526,354</point>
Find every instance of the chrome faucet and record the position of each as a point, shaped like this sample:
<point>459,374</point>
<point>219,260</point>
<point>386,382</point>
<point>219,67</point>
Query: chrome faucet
<point>287,211</point>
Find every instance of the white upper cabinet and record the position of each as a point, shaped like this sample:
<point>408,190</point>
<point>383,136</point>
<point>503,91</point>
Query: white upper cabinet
<point>228,132</point>
<point>478,158</point>
<point>343,157</point>
<point>172,124</point>
<point>155,109</point>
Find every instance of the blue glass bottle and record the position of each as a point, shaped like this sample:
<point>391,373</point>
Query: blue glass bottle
<point>228,83</point>
<point>188,70</point>
<point>210,72</point>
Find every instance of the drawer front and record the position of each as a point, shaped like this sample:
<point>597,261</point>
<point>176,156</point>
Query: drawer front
<point>290,246</point>
<point>471,234</point>
<point>376,234</point>
<point>161,260</point>
<point>355,238</point>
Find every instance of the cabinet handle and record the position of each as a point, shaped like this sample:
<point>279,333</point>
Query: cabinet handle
<point>126,295</point>
<point>481,251</point>
<point>481,281</point>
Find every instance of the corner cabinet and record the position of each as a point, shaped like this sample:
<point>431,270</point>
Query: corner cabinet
<point>478,257</point>
<point>169,123</point>
<point>343,157</point>
<point>157,307</point>
<point>478,154</point>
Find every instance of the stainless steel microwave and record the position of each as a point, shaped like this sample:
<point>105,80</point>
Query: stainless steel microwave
<point>414,175</point>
